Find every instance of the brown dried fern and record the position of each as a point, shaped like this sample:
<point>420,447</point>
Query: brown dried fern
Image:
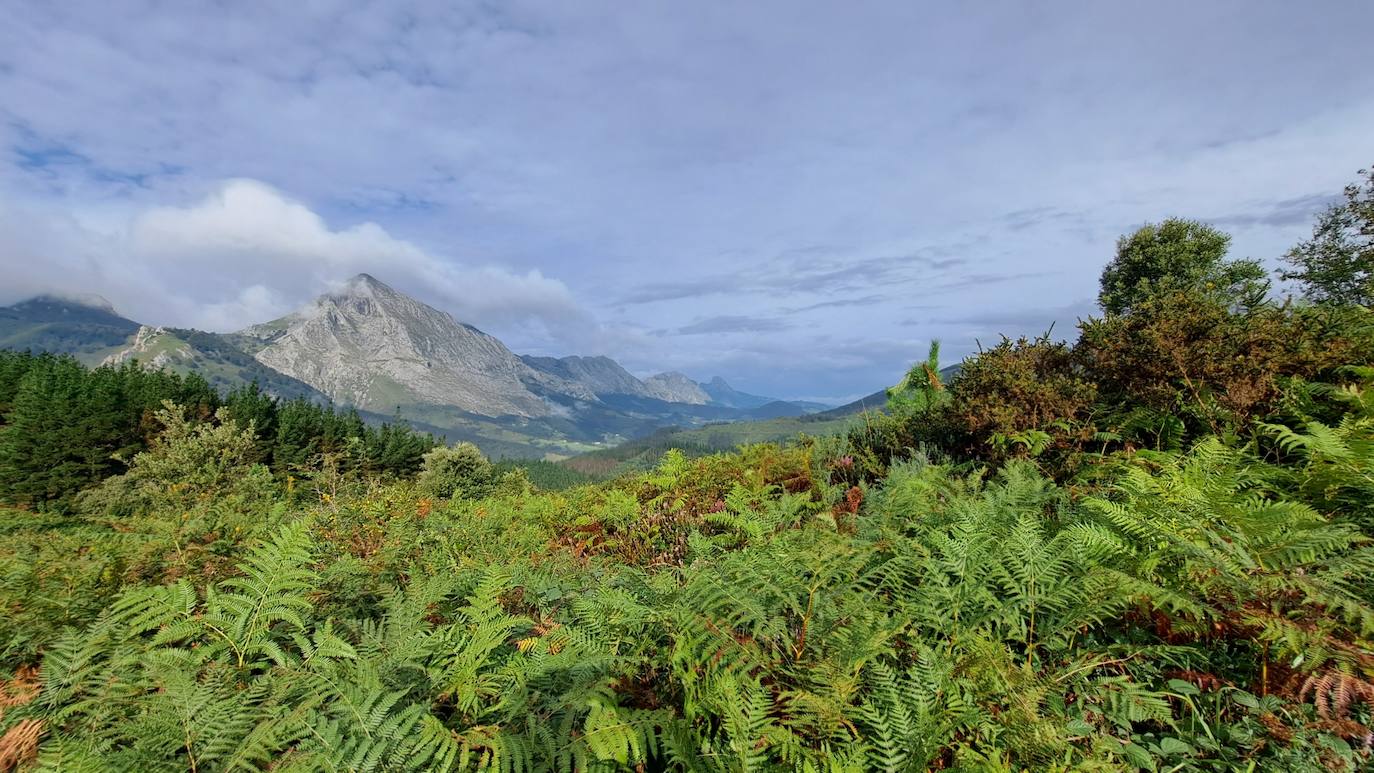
<point>1334,692</point>
<point>19,746</point>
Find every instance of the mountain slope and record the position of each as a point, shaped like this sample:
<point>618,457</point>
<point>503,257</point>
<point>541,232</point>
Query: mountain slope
<point>600,375</point>
<point>212,356</point>
<point>370,346</point>
<point>674,387</point>
<point>86,327</point>
<point>721,393</point>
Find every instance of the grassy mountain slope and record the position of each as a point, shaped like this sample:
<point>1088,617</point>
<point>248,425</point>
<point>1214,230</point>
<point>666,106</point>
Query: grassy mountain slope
<point>643,453</point>
<point>88,331</point>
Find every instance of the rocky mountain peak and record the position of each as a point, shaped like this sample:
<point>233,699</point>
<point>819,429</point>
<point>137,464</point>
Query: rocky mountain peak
<point>598,375</point>
<point>155,347</point>
<point>367,286</point>
<point>369,345</point>
<point>676,387</point>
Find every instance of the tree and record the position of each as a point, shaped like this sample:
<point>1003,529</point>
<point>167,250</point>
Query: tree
<point>921,388</point>
<point>1177,254</point>
<point>457,471</point>
<point>1337,264</point>
<point>190,463</point>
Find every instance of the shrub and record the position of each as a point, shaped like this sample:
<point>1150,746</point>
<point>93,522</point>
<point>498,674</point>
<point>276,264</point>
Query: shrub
<point>457,471</point>
<point>1189,355</point>
<point>1015,389</point>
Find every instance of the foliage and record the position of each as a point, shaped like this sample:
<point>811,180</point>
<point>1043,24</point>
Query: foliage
<point>1189,356</point>
<point>545,475</point>
<point>67,427</point>
<point>1015,389</point>
<point>459,470</point>
<point>1149,550</point>
<point>1336,265</point>
<point>921,389</point>
<point>1177,255</point>
<point>64,427</point>
<point>189,464</point>
<point>958,622</point>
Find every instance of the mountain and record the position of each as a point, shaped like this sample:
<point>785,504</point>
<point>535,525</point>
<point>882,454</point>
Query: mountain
<point>674,387</point>
<point>600,375</point>
<point>370,346</point>
<point>87,327</point>
<point>221,363</point>
<point>721,393</point>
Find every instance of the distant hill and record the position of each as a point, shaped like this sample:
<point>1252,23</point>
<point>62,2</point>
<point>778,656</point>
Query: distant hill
<point>87,327</point>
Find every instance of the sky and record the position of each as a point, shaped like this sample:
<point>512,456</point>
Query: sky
<point>795,195</point>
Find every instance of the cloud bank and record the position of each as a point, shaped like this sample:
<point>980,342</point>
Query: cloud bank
<point>797,196</point>
<point>247,253</point>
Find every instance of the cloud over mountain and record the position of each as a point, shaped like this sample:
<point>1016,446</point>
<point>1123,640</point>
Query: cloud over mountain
<point>247,252</point>
<point>539,168</point>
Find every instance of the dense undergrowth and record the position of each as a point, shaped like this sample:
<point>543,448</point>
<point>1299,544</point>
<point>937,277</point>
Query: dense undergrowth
<point>1148,549</point>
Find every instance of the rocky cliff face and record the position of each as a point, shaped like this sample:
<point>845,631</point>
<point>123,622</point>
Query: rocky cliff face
<point>676,388</point>
<point>599,375</point>
<point>155,348</point>
<point>371,346</point>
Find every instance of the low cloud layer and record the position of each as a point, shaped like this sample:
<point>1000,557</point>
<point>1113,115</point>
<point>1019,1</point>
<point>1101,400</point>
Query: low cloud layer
<point>797,197</point>
<point>247,253</point>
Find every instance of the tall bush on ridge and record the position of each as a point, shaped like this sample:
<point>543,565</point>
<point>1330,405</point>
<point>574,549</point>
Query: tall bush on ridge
<point>1017,397</point>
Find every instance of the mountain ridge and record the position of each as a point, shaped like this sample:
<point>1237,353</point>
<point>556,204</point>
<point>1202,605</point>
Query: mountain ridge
<point>366,345</point>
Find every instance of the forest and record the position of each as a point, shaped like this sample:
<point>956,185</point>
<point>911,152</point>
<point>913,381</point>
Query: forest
<point>1145,548</point>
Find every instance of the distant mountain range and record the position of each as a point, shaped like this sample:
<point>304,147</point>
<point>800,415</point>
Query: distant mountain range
<point>369,346</point>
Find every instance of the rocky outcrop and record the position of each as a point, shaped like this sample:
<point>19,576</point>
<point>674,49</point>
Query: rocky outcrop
<point>599,375</point>
<point>155,348</point>
<point>676,388</point>
<point>370,346</point>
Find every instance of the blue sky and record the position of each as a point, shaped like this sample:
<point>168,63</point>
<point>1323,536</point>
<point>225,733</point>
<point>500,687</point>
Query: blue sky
<point>795,195</point>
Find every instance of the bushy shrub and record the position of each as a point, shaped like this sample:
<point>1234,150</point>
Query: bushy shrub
<point>1189,355</point>
<point>189,464</point>
<point>459,470</point>
<point>1018,396</point>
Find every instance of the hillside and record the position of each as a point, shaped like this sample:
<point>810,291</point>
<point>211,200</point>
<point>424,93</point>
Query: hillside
<point>643,453</point>
<point>212,357</point>
<point>367,346</point>
<point>86,327</point>
<point>1043,563</point>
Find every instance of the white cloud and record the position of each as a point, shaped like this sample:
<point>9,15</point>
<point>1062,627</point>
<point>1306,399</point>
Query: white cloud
<point>247,252</point>
<point>626,148</point>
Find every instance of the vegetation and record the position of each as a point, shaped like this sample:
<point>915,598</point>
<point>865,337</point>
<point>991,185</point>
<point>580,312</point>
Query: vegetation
<point>1177,255</point>
<point>645,453</point>
<point>64,428</point>
<point>1148,549</point>
<point>1337,264</point>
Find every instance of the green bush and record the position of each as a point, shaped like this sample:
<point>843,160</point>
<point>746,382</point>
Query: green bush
<point>459,470</point>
